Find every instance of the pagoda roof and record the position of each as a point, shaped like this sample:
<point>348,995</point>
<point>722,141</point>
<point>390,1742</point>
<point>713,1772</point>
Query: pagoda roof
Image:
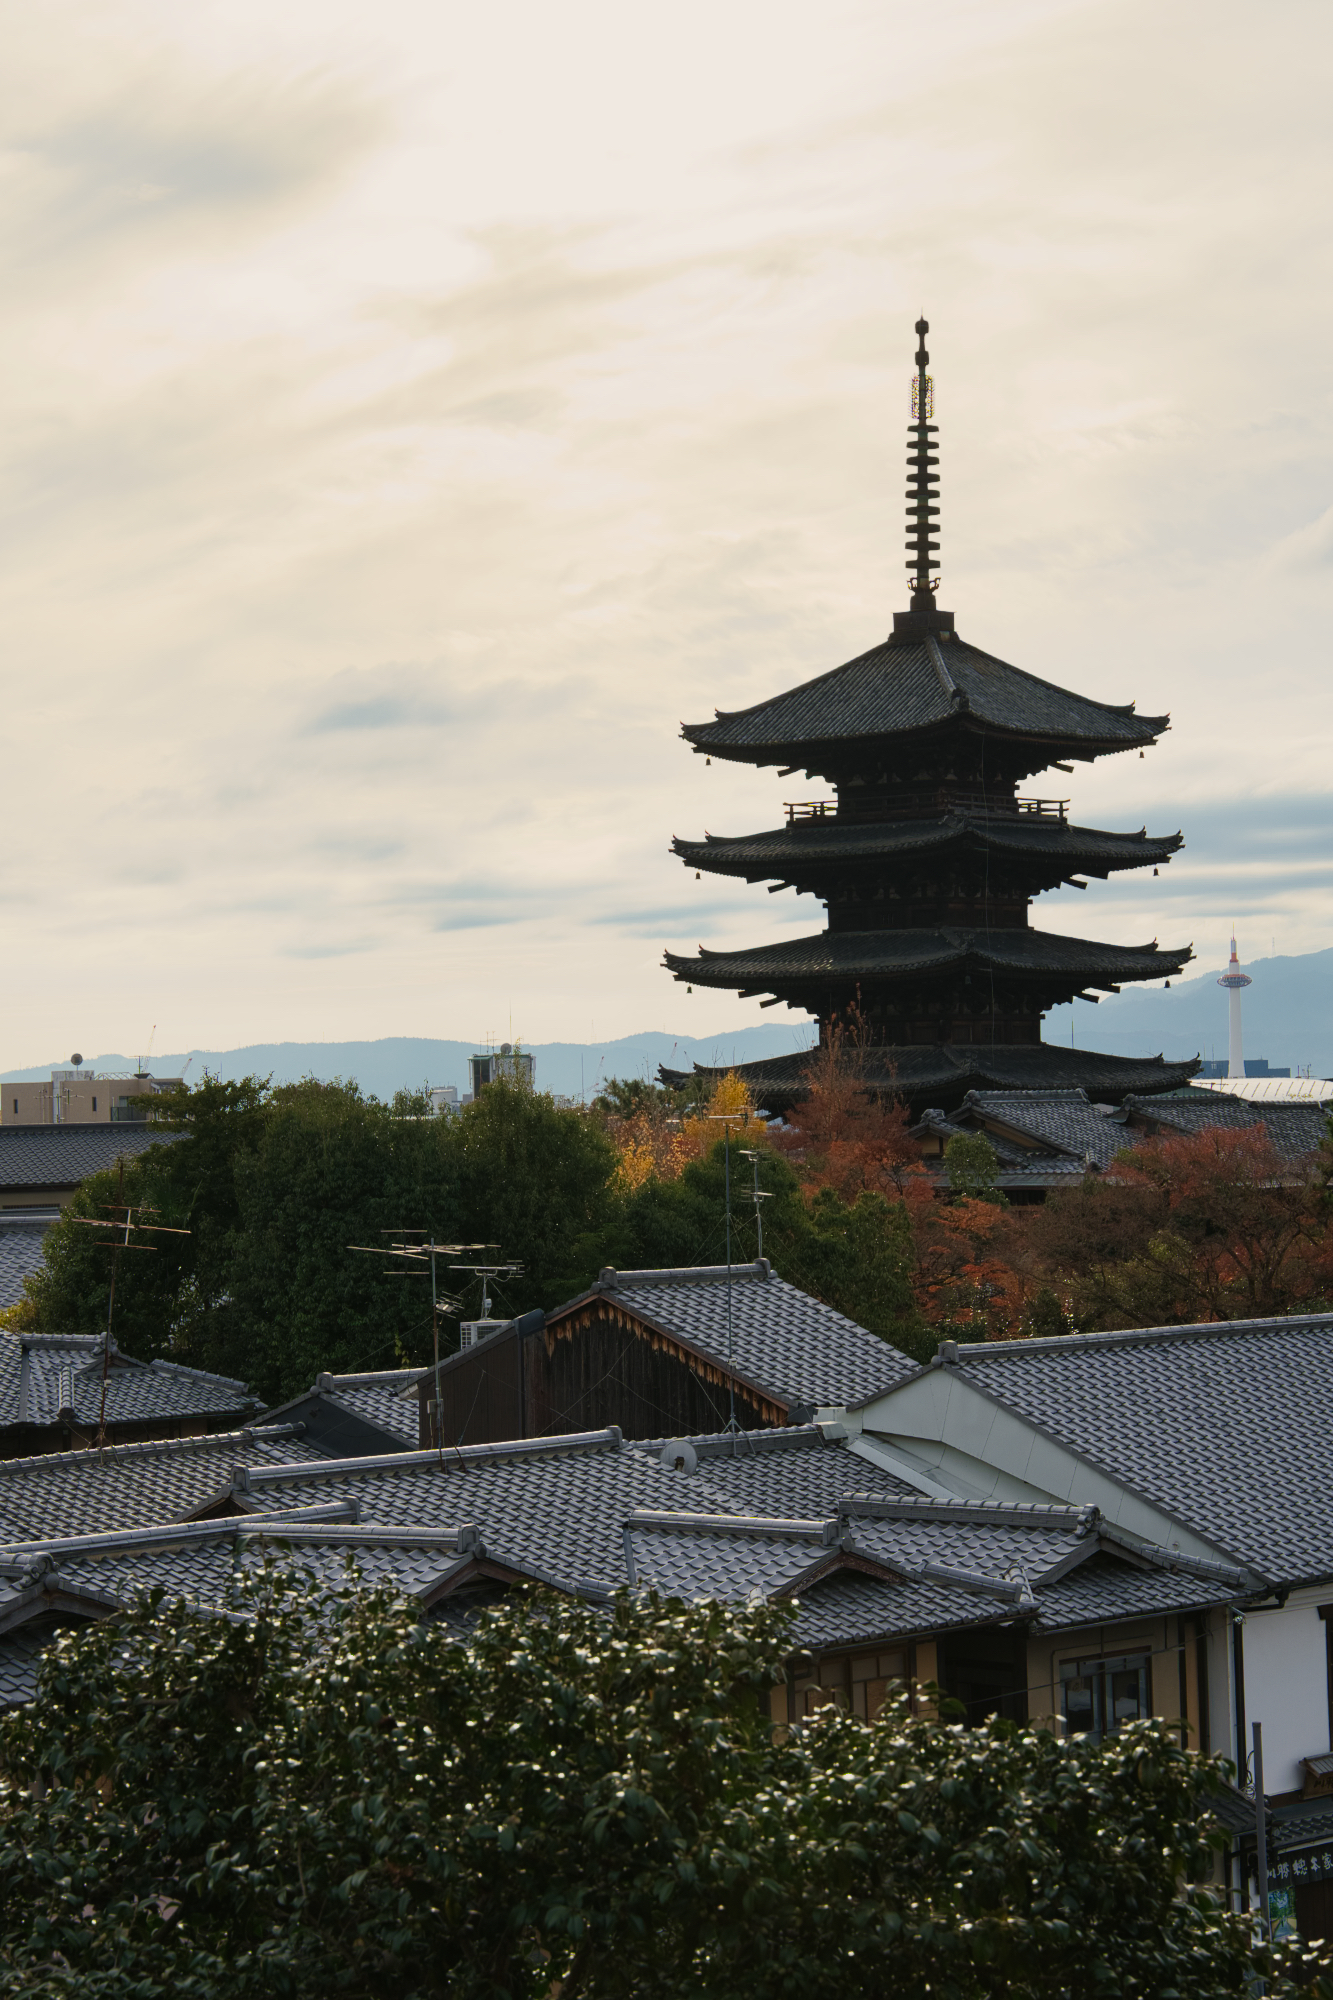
<point>791,849</point>
<point>893,954</point>
<point>943,1073</point>
<point>909,685</point>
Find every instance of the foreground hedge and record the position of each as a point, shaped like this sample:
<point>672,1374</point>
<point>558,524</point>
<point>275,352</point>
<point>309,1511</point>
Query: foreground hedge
<point>317,1796</point>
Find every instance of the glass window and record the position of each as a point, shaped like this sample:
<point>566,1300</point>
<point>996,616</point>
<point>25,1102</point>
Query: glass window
<point>1096,1696</point>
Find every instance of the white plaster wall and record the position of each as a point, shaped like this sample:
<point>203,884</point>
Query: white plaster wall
<point>1286,1687</point>
<point>976,1444</point>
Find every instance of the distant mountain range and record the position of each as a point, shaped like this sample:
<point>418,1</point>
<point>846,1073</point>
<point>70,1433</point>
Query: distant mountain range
<point>1288,1015</point>
<point>568,1069</point>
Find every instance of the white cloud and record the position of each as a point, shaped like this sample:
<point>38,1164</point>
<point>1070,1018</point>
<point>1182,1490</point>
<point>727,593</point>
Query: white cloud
<point>406,421</point>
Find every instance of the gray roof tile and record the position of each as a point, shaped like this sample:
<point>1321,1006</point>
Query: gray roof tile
<point>1064,1120</point>
<point>130,1485</point>
<point>897,688</point>
<point>783,1341</point>
<point>554,1505</point>
<point>1222,1427</point>
<point>60,1156</point>
<point>40,1374</point>
<point>1294,1130</point>
<point>790,1471</point>
<point>20,1256</point>
<point>376,1400</point>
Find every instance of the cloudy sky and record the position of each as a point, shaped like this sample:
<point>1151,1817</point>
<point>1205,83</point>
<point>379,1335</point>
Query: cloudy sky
<point>411,413</point>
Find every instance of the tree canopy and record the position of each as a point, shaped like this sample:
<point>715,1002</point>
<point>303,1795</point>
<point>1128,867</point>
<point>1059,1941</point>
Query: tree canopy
<point>319,1794</point>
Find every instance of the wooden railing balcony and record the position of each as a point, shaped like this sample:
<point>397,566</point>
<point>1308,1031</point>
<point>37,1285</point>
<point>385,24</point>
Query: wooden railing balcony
<point>804,812</point>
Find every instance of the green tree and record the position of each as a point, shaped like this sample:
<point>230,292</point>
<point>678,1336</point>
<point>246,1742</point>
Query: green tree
<point>535,1179</point>
<point>166,1298</point>
<point>856,1255</point>
<point>319,1795</point>
<point>972,1167</point>
<point>332,1169</point>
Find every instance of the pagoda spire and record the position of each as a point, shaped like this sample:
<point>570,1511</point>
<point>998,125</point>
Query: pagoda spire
<point>923,495</point>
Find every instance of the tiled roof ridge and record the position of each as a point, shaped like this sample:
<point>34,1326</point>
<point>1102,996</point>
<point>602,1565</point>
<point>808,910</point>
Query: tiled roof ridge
<point>918,1507</point>
<point>823,1530</point>
<point>79,1126</point>
<point>61,1343</point>
<point>756,1270</point>
<point>198,1374</point>
<point>737,1444</point>
<point>327,1523</point>
<point>149,1448</point>
<point>881,654</point>
<point>954,1353</point>
<point>367,1379</point>
<point>249,1478</point>
<point>1072,1093</point>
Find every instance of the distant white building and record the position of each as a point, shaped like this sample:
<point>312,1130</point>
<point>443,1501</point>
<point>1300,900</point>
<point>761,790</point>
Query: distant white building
<point>506,1061</point>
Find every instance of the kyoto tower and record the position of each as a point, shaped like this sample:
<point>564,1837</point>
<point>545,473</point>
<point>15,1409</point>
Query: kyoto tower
<point>1234,979</point>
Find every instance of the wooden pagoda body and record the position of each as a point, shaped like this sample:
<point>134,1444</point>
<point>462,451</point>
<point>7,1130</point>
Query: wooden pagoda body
<point>927,855</point>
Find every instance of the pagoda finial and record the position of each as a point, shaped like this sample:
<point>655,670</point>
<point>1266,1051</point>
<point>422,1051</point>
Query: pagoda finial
<point>923,494</point>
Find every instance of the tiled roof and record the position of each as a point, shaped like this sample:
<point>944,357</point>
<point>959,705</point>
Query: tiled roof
<point>20,1655</point>
<point>20,1256</point>
<point>60,1156</point>
<point>1295,1130</point>
<point>1222,1427</point>
<point>1063,1120</point>
<point>131,1485</point>
<point>792,1471</point>
<point>808,847</point>
<point>943,1075</point>
<point>939,1564</point>
<point>884,954</point>
<point>586,1513</point>
<point>42,1376</point>
<point>554,1504</point>
<point>376,1400</point>
<point>918,685</point>
<point>781,1340</point>
<point>344,1415</point>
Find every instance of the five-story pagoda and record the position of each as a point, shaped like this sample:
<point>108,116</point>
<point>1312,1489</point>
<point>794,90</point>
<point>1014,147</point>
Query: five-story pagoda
<point>926,856</point>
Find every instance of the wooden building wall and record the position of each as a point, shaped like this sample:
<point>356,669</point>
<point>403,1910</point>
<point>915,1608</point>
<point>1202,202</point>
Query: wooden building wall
<point>595,1365</point>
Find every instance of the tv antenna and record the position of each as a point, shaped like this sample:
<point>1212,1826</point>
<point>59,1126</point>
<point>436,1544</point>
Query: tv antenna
<point>125,1228</point>
<point>760,1195</point>
<point>415,1259</point>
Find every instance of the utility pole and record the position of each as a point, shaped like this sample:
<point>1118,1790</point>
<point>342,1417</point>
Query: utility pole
<point>124,1229</point>
<point>1261,1830</point>
<point>726,1119</point>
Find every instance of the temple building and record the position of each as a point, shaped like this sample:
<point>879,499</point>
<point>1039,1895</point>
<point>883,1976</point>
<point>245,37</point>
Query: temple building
<point>927,855</point>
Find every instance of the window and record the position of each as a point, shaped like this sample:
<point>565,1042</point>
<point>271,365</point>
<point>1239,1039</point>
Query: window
<point>94,1104</point>
<point>1096,1696</point>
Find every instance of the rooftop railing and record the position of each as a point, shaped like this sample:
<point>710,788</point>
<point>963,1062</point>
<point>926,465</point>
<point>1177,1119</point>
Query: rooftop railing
<point>801,812</point>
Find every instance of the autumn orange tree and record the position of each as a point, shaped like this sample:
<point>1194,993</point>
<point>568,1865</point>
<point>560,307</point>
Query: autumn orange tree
<point>1213,1225</point>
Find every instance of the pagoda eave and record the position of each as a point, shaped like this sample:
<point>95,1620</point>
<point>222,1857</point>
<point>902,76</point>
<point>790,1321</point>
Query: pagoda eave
<point>941,1076</point>
<point>907,691</point>
<point>884,957</point>
<point>805,852</point>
